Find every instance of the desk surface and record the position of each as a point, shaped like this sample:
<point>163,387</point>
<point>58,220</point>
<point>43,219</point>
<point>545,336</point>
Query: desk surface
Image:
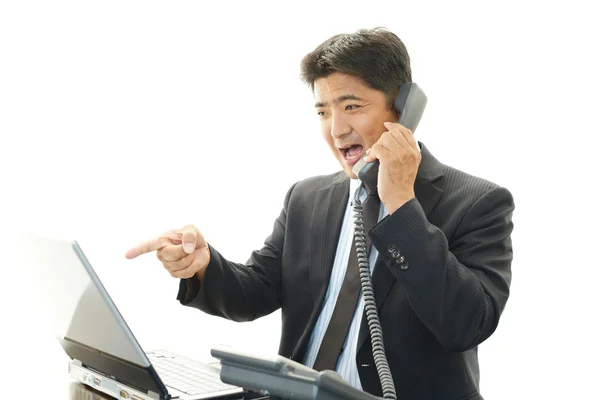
<point>78,391</point>
<point>71,390</point>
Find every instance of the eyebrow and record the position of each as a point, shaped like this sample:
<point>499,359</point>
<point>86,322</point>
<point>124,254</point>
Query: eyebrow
<point>340,99</point>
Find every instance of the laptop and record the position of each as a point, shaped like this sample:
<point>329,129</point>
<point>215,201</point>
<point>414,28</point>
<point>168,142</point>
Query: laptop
<point>104,353</point>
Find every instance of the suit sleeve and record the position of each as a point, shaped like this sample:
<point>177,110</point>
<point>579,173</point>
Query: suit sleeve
<point>457,288</point>
<point>241,292</point>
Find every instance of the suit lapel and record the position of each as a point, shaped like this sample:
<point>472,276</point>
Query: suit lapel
<point>326,224</point>
<point>427,195</point>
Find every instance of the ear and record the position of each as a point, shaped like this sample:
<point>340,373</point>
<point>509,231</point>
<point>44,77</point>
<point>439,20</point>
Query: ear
<point>392,104</point>
<point>396,113</point>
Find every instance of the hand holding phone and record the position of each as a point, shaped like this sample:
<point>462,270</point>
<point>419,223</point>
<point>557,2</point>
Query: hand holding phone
<point>410,104</point>
<point>398,147</point>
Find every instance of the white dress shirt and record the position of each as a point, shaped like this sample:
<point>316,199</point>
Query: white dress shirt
<point>346,366</point>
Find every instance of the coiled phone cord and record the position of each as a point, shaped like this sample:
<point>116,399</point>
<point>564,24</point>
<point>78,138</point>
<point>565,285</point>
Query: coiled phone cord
<point>381,363</point>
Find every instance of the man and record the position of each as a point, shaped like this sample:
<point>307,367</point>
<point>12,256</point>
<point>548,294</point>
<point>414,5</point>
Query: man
<point>441,250</point>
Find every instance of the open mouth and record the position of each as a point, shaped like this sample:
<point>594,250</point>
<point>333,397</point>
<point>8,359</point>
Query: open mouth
<point>352,153</point>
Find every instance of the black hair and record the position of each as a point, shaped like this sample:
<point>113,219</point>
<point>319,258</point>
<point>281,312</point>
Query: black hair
<point>377,56</point>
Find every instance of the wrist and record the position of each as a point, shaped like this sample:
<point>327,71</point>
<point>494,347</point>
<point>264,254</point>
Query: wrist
<point>202,270</point>
<point>397,203</point>
<point>200,274</point>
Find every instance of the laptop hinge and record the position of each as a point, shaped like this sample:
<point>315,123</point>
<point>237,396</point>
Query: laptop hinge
<point>109,385</point>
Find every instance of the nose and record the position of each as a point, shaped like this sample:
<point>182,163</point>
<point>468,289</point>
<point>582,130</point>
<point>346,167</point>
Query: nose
<point>339,125</point>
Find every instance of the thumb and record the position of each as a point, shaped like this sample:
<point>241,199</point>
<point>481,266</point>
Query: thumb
<point>370,157</point>
<point>189,235</point>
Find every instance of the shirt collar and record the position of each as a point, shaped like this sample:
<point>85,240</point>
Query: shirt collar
<point>354,185</point>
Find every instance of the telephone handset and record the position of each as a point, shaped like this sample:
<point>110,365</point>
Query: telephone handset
<point>410,103</point>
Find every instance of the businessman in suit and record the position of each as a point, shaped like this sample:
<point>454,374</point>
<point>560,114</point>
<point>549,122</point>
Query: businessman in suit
<point>439,241</point>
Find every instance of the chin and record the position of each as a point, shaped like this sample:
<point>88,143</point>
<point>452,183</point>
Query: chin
<point>347,170</point>
<point>350,174</point>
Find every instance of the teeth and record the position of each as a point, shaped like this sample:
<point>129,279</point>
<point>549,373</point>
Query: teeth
<point>348,156</point>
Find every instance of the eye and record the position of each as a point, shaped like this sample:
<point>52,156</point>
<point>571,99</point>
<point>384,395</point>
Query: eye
<point>321,113</point>
<point>352,107</point>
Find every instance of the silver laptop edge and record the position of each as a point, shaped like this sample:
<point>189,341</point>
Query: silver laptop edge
<point>122,344</point>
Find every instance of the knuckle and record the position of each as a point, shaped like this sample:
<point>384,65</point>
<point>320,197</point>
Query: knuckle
<point>163,254</point>
<point>185,262</point>
<point>169,266</point>
<point>182,263</point>
<point>176,265</point>
<point>183,274</point>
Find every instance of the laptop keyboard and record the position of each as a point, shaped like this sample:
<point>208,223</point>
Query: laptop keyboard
<point>185,375</point>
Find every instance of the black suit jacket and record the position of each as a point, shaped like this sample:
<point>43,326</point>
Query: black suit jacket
<point>455,237</point>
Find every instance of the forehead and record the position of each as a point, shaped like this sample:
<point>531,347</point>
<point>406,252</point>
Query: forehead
<point>339,84</point>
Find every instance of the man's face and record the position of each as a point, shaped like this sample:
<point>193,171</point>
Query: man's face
<point>352,116</point>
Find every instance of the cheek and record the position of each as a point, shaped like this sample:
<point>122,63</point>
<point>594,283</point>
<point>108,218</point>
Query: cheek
<point>329,139</point>
<point>326,132</point>
<point>368,130</point>
<point>373,136</point>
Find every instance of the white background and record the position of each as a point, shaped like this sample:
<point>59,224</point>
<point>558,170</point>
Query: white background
<point>120,120</point>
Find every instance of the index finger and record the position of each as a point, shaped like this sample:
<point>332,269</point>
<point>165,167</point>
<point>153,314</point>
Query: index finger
<point>401,134</point>
<point>410,138</point>
<point>148,246</point>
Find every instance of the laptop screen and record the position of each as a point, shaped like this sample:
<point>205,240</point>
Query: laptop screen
<point>76,303</point>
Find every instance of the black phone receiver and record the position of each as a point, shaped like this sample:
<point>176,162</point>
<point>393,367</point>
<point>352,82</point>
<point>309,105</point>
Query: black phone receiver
<point>410,104</point>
